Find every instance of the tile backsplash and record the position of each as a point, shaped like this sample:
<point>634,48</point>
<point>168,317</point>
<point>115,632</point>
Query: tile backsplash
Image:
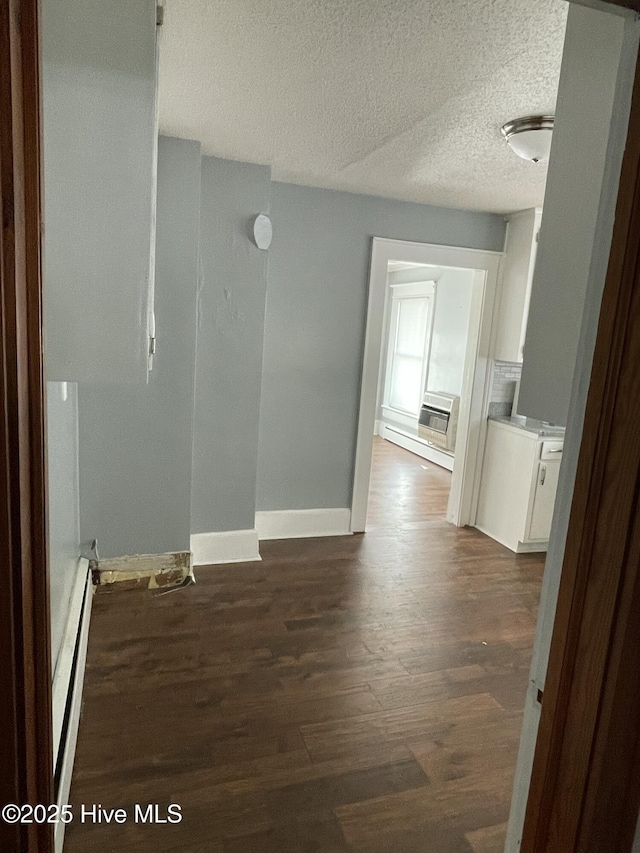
<point>505,374</point>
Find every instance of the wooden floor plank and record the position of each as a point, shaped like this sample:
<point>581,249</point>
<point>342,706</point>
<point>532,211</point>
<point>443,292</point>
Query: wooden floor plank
<point>359,693</point>
<point>489,839</point>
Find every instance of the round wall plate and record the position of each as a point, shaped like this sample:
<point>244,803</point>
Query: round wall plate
<point>262,231</point>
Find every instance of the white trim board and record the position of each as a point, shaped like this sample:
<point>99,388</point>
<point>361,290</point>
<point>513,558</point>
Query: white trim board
<point>75,686</point>
<point>227,546</point>
<point>522,547</point>
<point>64,664</point>
<point>394,417</point>
<point>303,523</point>
<point>416,445</point>
<point>477,375</point>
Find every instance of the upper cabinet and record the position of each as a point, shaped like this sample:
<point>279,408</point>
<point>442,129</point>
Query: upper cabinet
<point>517,275</point>
<point>100,143</point>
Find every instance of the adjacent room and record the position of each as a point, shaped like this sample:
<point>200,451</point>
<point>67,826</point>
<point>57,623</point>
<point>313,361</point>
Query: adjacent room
<point>423,357</point>
<point>430,330</point>
<point>309,373</point>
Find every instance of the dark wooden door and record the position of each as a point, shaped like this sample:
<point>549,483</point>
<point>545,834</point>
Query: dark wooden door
<point>26,772</point>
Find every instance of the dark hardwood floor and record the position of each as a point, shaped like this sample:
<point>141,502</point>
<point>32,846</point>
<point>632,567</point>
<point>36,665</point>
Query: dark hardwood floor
<point>345,694</point>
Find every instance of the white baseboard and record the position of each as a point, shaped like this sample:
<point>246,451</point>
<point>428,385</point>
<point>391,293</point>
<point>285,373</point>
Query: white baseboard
<point>532,547</point>
<point>303,523</point>
<point>393,417</point>
<point>416,445</point>
<point>229,546</point>
<point>378,426</point>
<point>518,547</point>
<point>75,686</point>
<point>64,665</point>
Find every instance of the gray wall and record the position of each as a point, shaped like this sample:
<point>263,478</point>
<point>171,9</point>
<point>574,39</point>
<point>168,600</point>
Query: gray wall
<point>576,168</point>
<point>159,462</point>
<point>231,304</point>
<point>135,441</point>
<point>314,331</point>
<point>64,523</point>
<point>598,254</point>
<point>98,89</point>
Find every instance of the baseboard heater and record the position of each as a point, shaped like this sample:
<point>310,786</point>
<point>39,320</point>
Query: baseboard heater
<point>418,446</point>
<point>68,681</point>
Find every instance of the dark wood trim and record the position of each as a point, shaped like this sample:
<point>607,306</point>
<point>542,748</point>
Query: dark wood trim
<point>26,771</point>
<point>585,786</point>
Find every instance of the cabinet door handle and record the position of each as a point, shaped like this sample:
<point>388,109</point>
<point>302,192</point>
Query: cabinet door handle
<point>543,474</point>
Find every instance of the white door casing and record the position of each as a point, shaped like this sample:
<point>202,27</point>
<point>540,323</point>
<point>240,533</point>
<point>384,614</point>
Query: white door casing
<point>477,374</point>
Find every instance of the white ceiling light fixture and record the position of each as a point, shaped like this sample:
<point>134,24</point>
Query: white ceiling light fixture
<point>530,137</point>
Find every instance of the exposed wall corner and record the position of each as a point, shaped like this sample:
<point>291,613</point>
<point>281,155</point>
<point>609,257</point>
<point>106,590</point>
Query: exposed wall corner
<point>141,571</point>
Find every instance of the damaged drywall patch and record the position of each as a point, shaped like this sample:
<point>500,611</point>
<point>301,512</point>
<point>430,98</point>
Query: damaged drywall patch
<point>141,571</point>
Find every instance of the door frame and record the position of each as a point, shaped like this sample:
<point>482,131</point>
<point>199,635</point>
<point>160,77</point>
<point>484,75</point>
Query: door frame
<point>26,746</point>
<point>463,498</point>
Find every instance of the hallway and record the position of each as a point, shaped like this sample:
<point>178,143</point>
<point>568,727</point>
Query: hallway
<point>357,693</point>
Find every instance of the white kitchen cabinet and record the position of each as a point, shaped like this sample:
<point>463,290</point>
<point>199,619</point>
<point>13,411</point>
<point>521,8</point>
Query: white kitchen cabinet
<point>100,142</point>
<point>544,500</point>
<point>517,275</point>
<point>518,486</point>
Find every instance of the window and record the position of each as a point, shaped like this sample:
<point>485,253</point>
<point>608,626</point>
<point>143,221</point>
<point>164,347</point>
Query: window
<point>409,336</point>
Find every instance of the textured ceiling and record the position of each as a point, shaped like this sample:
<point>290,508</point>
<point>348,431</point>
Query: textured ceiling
<point>399,98</point>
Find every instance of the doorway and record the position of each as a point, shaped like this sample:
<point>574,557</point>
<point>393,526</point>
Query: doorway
<point>448,295</point>
<point>426,335</point>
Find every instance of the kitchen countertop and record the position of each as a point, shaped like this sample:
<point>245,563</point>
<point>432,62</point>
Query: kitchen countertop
<point>530,425</point>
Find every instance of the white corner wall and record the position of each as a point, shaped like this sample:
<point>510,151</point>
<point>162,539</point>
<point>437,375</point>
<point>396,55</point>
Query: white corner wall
<point>64,505</point>
<point>577,165</point>
<point>454,291</point>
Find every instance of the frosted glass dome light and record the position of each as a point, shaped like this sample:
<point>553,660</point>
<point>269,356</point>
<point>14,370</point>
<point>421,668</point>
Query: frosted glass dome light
<point>530,137</point>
